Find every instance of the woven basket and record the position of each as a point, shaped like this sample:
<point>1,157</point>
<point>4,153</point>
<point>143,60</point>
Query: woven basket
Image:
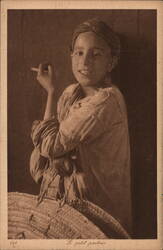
<point>26,220</point>
<point>78,220</point>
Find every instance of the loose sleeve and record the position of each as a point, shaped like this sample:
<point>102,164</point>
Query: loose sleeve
<point>84,123</point>
<point>38,164</point>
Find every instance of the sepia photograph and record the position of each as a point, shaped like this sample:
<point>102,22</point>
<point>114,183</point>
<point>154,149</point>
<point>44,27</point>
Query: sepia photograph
<point>82,125</point>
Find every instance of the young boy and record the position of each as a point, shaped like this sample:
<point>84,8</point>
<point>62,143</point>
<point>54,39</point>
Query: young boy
<point>91,126</point>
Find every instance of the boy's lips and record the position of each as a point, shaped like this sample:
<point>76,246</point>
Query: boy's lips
<point>85,72</point>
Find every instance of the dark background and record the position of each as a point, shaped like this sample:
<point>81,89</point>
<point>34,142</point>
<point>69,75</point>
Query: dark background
<point>35,36</point>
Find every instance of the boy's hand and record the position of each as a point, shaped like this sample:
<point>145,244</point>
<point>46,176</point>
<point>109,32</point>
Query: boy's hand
<point>63,166</point>
<point>45,76</point>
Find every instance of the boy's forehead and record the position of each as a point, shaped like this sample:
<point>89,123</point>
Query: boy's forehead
<point>90,39</point>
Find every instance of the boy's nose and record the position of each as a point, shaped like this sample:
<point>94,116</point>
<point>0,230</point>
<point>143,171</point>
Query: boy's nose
<point>87,59</point>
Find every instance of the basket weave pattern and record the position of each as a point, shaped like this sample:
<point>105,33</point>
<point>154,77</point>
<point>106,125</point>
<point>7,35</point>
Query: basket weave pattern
<point>26,220</point>
<point>80,219</point>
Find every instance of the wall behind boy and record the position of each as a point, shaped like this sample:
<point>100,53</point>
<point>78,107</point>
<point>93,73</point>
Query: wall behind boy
<point>35,36</point>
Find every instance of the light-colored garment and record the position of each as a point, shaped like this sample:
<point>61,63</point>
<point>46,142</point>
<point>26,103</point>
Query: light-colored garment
<point>97,127</point>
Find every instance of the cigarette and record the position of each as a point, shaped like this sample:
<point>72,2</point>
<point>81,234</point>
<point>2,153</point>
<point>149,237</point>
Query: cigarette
<point>34,69</point>
<point>37,70</point>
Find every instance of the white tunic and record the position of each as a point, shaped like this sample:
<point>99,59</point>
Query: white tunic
<point>97,127</point>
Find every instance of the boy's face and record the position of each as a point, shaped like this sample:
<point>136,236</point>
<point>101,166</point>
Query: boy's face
<point>91,59</point>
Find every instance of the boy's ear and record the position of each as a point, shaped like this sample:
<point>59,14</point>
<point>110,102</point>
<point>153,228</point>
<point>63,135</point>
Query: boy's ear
<point>113,63</point>
<point>71,53</point>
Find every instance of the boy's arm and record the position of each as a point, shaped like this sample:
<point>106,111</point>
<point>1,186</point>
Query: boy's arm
<point>49,110</point>
<point>46,80</point>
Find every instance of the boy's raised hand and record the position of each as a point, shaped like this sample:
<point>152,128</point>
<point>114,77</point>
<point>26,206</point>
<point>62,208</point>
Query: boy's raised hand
<point>45,76</point>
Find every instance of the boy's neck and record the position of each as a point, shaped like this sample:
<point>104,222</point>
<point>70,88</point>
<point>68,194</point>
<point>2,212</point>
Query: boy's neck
<point>91,90</point>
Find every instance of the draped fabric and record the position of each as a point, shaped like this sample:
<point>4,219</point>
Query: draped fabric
<point>90,135</point>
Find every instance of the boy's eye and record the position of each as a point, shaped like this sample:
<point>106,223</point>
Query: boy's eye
<point>91,53</point>
<point>78,53</point>
<point>97,53</point>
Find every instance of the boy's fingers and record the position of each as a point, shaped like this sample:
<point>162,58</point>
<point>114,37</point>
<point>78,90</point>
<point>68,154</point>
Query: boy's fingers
<point>40,69</point>
<point>50,70</point>
<point>43,68</point>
